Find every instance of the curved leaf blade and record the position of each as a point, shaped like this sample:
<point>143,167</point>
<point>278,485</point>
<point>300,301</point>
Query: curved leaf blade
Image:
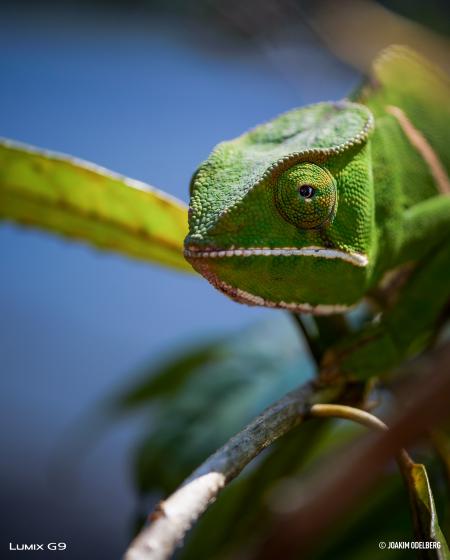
<point>86,202</point>
<point>425,517</point>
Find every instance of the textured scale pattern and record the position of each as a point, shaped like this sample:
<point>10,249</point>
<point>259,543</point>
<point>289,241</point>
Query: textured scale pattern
<point>313,210</point>
<point>237,166</point>
<point>255,237</point>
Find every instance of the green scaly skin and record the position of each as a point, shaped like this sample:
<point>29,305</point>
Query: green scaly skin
<point>312,211</point>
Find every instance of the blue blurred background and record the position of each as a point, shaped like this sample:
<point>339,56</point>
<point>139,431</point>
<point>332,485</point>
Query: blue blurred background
<point>147,95</point>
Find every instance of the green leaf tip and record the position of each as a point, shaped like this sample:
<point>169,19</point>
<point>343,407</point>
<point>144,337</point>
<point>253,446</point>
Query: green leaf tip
<point>424,513</point>
<point>83,201</point>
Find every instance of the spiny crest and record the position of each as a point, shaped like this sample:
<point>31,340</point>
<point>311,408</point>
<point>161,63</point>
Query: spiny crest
<point>401,75</point>
<point>402,55</point>
<point>416,89</point>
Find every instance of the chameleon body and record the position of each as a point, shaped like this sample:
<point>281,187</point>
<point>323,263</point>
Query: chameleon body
<point>324,205</point>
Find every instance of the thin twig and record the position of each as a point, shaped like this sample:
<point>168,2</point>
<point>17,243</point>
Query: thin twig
<point>423,397</point>
<point>313,346</point>
<point>366,419</point>
<point>175,516</point>
<point>331,329</point>
<point>348,413</point>
<point>407,466</point>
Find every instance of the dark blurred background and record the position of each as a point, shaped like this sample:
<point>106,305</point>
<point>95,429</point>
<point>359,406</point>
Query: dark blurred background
<point>146,88</point>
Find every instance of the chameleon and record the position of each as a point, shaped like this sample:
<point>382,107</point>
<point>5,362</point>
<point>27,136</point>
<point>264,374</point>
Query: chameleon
<point>330,204</point>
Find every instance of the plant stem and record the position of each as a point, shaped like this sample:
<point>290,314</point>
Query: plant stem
<point>176,515</point>
<point>311,341</point>
<point>422,390</point>
<point>366,419</point>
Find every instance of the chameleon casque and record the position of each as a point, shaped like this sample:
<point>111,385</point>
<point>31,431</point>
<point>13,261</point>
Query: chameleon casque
<point>327,204</point>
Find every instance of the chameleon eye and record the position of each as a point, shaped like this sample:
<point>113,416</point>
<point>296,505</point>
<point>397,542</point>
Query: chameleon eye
<point>306,191</point>
<point>305,196</point>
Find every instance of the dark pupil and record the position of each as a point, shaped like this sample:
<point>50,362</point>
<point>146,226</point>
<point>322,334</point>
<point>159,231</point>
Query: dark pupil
<point>306,191</point>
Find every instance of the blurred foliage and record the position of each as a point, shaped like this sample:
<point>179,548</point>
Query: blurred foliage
<point>196,400</point>
<point>433,14</point>
<point>199,399</point>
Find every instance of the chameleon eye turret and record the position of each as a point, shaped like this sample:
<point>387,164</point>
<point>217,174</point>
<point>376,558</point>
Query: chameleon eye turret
<point>306,196</point>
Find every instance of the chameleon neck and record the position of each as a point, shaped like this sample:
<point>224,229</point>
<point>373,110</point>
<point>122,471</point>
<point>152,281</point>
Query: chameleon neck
<point>397,187</point>
<point>409,100</point>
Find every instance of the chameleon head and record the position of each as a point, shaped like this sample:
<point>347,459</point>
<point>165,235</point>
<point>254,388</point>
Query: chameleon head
<point>283,216</point>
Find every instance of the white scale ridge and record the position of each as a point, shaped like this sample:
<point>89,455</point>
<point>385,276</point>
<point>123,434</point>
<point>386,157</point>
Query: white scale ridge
<point>357,259</point>
<point>251,299</point>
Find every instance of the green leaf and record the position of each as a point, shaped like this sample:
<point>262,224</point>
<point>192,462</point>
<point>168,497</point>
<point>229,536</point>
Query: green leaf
<point>425,518</point>
<point>197,402</point>
<point>86,202</point>
<point>167,378</point>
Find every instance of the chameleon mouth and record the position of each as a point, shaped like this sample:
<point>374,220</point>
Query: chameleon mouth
<point>242,296</point>
<point>354,258</point>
